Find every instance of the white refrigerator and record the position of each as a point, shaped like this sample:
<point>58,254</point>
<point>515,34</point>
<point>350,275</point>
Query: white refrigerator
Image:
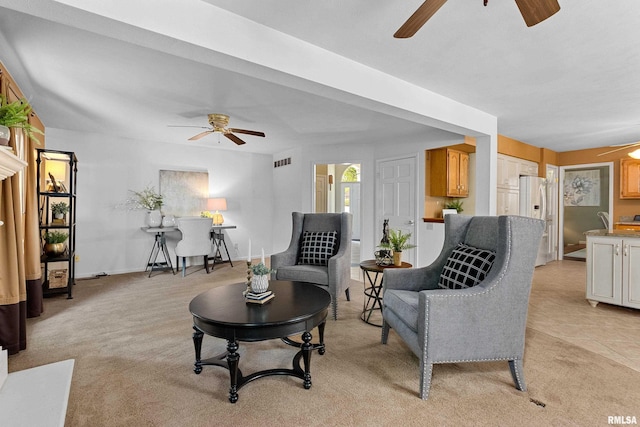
<point>533,203</point>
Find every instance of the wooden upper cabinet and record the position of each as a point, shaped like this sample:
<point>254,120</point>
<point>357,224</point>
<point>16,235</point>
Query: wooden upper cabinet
<point>449,173</point>
<point>629,179</point>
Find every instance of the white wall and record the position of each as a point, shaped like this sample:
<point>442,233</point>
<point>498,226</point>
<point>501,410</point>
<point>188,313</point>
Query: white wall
<point>260,197</point>
<point>108,237</point>
<point>296,191</point>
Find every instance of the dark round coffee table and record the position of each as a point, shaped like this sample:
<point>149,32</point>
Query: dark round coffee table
<point>223,313</point>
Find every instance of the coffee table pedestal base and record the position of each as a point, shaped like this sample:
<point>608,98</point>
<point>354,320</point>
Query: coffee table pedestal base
<point>231,359</point>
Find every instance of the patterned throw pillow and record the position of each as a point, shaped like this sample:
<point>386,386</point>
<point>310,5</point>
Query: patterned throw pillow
<point>317,247</point>
<point>466,267</point>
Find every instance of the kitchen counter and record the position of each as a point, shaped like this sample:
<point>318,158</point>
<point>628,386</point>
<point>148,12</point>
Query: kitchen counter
<point>613,233</point>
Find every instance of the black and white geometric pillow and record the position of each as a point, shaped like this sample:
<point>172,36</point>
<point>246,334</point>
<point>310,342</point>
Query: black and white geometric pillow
<point>466,267</point>
<point>317,247</point>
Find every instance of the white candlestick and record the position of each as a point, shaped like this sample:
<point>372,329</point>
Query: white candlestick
<point>249,256</point>
<point>263,255</point>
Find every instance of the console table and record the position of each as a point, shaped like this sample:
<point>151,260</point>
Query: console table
<point>159,246</point>
<point>37,396</point>
<point>217,237</point>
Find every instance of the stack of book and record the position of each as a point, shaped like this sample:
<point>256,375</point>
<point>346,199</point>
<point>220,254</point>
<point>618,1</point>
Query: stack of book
<point>261,298</point>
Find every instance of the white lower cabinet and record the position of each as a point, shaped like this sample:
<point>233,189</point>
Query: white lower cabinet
<point>613,270</point>
<point>507,202</point>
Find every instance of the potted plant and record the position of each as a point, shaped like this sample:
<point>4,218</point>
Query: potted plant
<point>59,210</point>
<point>260,278</point>
<point>397,242</point>
<point>151,201</point>
<point>55,242</point>
<point>454,204</point>
<point>15,115</point>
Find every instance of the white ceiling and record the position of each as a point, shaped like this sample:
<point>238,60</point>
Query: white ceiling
<point>571,82</point>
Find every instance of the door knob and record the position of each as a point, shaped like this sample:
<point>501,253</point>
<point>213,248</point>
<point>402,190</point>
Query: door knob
<point>410,222</point>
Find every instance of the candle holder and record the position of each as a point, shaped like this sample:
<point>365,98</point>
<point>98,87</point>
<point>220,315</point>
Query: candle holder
<point>248,278</point>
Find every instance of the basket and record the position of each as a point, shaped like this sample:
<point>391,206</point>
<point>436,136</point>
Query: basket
<point>58,278</point>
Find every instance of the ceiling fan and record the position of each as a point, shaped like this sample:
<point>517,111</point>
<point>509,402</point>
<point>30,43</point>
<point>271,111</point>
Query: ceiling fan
<point>635,154</point>
<point>533,12</point>
<point>219,123</point>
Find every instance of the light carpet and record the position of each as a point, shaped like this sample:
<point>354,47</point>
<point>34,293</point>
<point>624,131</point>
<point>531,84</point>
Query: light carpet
<point>131,337</point>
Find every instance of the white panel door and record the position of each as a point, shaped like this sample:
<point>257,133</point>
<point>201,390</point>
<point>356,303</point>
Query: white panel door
<point>397,180</point>
<point>350,202</point>
<point>321,194</point>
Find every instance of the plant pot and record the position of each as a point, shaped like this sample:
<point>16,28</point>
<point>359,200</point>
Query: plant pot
<point>5,134</point>
<point>260,283</point>
<point>397,258</point>
<point>54,249</point>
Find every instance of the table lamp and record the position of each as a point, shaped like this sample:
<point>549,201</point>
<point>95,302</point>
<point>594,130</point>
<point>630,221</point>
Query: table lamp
<point>217,205</point>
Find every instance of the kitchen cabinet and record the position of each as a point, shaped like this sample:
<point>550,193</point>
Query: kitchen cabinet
<point>508,172</point>
<point>613,268</point>
<point>511,168</point>
<point>507,201</point>
<point>629,179</point>
<point>449,173</point>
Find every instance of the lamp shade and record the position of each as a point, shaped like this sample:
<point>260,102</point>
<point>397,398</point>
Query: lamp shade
<point>217,204</point>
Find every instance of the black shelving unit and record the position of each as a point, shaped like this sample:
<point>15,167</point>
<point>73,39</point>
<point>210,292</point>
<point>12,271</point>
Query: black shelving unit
<point>56,182</point>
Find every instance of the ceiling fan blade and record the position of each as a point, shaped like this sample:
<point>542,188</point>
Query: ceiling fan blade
<point>234,138</point>
<point>248,132</point>
<point>184,126</point>
<point>536,11</point>
<point>624,147</point>
<point>419,18</point>
<point>200,135</point>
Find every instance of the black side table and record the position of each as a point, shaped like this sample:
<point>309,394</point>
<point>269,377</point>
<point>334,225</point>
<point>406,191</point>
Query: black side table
<point>373,289</point>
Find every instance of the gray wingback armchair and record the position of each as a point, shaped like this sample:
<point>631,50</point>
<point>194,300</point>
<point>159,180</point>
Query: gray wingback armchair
<point>336,273</point>
<point>485,322</point>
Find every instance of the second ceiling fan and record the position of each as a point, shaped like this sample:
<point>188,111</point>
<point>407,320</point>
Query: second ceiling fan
<point>533,12</point>
<point>219,123</point>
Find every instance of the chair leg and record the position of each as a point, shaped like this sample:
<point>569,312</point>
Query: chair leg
<point>184,266</point>
<point>334,305</point>
<point>517,374</point>
<point>426,371</point>
<point>347,294</point>
<point>206,263</point>
<point>385,332</point>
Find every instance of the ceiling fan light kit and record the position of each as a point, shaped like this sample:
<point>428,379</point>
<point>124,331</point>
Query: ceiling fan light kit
<point>533,12</point>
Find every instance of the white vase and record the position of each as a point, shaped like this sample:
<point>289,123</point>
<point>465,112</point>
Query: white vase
<point>154,218</point>
<point>5,134</point>
<point>169,221</point>
<point>260,283</point>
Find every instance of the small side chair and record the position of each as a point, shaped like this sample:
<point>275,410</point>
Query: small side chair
<point>196,241</point>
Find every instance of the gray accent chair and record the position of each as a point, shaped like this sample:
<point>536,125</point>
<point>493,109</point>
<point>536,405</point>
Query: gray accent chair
<point>482,323</point>
<point>336,276</point>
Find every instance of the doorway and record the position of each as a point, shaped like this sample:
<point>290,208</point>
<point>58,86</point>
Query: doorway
<point>587,190</point>
<point>337,189</point>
